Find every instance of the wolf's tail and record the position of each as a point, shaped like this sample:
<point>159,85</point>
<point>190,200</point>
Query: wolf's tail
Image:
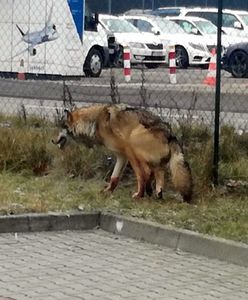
<point>180,171</point>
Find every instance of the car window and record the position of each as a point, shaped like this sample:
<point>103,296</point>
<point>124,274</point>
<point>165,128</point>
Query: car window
<point>211,16</point>
<point>194,13</point>
<point>244,18</point>
<point>144,26</point>
<point>228,20</point>
<point>119,25</point>
<point>168,27</point>
<point>186,26</point>
<point>132,21</point>
<point>206,27</point>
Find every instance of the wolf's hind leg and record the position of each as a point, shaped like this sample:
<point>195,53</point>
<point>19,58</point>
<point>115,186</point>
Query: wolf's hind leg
<point>159,174</point>
<point>119,167</point>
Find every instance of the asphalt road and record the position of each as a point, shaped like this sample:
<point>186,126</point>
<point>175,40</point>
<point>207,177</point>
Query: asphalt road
<point>147,87</point>
<point>153,89</point>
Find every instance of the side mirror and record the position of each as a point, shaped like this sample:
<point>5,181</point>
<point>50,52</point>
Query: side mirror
<point>237,25</point>
<point>195,31</point>
<point>91,22</point>
<point>96,18</point>
<point>223,31</point>
<point>154,31</point>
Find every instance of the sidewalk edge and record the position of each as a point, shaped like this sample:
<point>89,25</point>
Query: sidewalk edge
<point>178,239</point>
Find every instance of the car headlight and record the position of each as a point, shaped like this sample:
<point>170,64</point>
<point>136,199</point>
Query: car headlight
<point>197,46</point>
<point>136,45</point>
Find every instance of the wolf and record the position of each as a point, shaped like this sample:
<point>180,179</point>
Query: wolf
<point>133,135</point>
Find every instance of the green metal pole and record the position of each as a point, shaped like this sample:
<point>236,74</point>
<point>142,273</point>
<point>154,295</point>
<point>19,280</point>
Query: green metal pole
<point>217,98</point>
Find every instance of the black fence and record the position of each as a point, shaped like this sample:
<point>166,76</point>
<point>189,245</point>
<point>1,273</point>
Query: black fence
<point>187,76</point>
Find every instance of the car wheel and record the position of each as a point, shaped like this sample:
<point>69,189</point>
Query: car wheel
<point>93,63</point>
<point>239,64</point>
<point>182,59</point>
<point>152,65</point>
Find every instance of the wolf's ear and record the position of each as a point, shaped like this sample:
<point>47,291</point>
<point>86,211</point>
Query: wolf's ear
<point>68,114</point>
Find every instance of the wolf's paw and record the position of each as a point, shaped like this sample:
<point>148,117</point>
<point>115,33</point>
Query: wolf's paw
<point>159,194</point>
<point>138,195</point>
<point>110,187</point>
<point>107,189</point>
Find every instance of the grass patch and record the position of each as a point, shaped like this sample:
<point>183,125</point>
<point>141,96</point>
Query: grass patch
<point>35,176</point>
<point>215,214</point>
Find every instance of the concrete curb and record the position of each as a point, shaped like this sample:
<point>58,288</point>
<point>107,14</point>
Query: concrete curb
<point>178,239</point>
<point>49,222</point>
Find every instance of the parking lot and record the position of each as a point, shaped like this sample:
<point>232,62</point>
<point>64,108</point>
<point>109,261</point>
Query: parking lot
<point>98,265</point>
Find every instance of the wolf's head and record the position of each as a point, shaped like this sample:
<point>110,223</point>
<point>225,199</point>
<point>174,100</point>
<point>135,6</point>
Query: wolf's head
<point>61,139</point>
<point>78,125</point>
<point>65,124</point>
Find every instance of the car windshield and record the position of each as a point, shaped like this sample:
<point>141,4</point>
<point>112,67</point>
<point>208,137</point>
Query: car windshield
<point>244,18</point>
<point>206,27</point>
<point>169,27</point>
<point>119,25</point>
<point>228,20</point>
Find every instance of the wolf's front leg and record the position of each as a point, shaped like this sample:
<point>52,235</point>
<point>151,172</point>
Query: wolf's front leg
<point>120,165</point>
<point>141,189</point>
<point>143,173</point>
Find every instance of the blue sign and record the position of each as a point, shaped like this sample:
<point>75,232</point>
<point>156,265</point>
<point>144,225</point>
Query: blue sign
<point>77,11</point>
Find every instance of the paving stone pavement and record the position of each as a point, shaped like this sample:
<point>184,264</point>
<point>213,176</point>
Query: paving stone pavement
<point>99,265</point>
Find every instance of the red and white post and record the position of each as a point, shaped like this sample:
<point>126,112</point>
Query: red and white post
<point>127,63</point>
<point>21,71</point>
<point>172,65</point>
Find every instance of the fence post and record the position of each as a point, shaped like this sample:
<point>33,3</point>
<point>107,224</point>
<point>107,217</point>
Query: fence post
<point>172,64</point>
<point>127,63</point>
<point>217,99</point>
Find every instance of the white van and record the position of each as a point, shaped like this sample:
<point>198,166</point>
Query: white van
<point>57,37</point>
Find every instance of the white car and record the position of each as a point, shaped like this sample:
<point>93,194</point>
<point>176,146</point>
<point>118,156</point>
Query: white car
<point>202,27</point>
<point>190,50</point>
<point>145,48</point>
<point>234,22</point>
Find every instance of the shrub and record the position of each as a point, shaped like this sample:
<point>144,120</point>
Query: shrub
<point>24,149</point>
<point>78,160</point>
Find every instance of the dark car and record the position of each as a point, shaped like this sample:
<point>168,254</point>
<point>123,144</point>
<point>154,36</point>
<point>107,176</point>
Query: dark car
<point>235,60</point>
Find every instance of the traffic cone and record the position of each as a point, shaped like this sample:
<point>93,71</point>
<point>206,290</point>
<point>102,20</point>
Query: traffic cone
<point>211,76</point>
<point>21,73</point>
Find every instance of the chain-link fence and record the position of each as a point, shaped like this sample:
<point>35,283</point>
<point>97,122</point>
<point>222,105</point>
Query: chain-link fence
<point>52,51</point>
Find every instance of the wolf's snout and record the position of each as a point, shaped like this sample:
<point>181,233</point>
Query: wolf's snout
<point>60,142</point>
